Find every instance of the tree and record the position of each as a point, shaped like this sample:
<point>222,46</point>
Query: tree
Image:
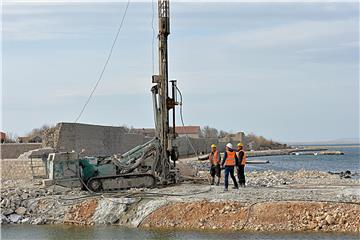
<point>128,129</point>
<point>10,137</point>
<point>38,131</point>
<point>222,134</point>
<point>209,132</point>
<point>261,143</point>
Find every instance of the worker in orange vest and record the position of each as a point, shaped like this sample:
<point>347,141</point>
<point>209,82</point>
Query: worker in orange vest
<point>215,169</point>
<point>230,160</point>
<point>241,167</point>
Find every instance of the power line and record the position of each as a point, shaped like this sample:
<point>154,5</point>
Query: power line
<point>106,63</point>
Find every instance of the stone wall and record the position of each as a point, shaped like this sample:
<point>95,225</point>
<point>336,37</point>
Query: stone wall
<point>13,150</point>
<point>96,140</point>
<point>20,169</point>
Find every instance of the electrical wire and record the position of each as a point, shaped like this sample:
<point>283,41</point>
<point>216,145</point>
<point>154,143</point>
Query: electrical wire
<point>106,63</point>
<point>182,120</point>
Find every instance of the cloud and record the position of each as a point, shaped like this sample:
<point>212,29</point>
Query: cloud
<point>259,55</point>
<point>299,33</point>
<point>36,22</point>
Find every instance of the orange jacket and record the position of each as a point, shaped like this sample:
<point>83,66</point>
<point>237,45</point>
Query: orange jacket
<point>230,158</point>
<point>214,158</point>
<point>243,159</point>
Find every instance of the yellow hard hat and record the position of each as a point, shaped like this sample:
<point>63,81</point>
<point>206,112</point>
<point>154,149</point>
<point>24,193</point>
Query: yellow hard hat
<point>240,145</point>
<point>213,145</point>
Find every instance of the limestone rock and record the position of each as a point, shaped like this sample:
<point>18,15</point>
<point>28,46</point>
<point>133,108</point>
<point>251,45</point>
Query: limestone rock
<point>38,221</point>
<point>4,219</point>
<point>7,211</point>
<point>14,218</point>
<point>25,220</point>
<point>330,219</point>
<point>20,210</point>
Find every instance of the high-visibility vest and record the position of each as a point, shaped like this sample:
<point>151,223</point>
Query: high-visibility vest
<point>230,158</point>
<point>243,160</point>
<point>214,158</point>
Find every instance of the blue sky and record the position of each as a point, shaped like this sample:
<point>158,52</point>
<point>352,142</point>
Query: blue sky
<point>287,71</point>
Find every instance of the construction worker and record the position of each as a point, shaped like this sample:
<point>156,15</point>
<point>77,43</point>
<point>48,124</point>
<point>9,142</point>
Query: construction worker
<point>241,167</point>
<point>215,169</point>
<point>230,160</point>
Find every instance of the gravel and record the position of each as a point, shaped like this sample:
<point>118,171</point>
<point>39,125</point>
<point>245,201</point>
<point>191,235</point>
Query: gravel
<point>29,202</point>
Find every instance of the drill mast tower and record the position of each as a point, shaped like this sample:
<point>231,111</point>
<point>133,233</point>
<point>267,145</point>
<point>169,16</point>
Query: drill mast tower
<point>147,165</point>
<point>162,102</point>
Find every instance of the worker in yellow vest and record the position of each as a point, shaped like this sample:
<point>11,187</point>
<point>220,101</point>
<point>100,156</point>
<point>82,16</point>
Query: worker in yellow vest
<point>230,160</point>
<point>215,169</point>
<point>241,167</point>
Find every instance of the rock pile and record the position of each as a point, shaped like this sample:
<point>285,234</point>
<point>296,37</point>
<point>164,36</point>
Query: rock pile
<point>17,205</point>
<point>265,216</point>
<point>329,218</point>
<point>26,201</point>
<point>36,153</point>
<point>268,179</point>
<point>198,215</point>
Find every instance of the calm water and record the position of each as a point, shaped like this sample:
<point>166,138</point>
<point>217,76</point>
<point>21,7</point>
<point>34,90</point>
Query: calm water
<point>334,163</point>
<point>114,232</point>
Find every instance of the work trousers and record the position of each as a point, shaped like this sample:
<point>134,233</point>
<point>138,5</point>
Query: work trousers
<point>229,170</point>
<point>215,170</point>
<point>241,174</point>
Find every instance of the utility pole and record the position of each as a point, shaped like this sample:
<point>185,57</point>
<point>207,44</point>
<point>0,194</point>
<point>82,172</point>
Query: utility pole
<point>163,103</point>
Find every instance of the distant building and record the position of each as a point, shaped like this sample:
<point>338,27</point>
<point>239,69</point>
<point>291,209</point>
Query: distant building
<point>190,131</point>
<point>237,137</point>
<point>23,139</point>
<point>36,139</point>
<point>2,137</point>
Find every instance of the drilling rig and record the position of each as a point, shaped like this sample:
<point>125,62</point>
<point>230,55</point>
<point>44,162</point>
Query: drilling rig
<point>147,165</point>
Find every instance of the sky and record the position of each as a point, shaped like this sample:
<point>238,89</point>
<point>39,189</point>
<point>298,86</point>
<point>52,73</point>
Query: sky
<point>286,71</point>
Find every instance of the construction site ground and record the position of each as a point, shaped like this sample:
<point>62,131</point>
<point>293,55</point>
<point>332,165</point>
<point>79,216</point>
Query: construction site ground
<point>272,201</point>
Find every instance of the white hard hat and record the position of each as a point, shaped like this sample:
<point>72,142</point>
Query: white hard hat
<point>229,145</point>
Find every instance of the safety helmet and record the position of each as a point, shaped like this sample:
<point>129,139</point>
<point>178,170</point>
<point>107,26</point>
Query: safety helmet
<point>240,145</point>
<point>213,146</point>
<point>229,145</point>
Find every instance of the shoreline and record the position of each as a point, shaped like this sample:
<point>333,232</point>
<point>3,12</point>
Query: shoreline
<point>323,150</point>
<point>147,207</point>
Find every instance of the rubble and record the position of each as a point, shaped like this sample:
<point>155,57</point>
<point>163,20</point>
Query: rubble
<point>37,153</point>
<point>263,216</point>
<point>307,200</point>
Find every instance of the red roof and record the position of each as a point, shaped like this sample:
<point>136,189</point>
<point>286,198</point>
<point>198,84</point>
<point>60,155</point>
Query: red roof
<point>187,130</point>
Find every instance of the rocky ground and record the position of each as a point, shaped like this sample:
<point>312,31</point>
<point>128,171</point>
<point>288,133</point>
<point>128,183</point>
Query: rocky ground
<point>263,216</point>
<point>272,201</point>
